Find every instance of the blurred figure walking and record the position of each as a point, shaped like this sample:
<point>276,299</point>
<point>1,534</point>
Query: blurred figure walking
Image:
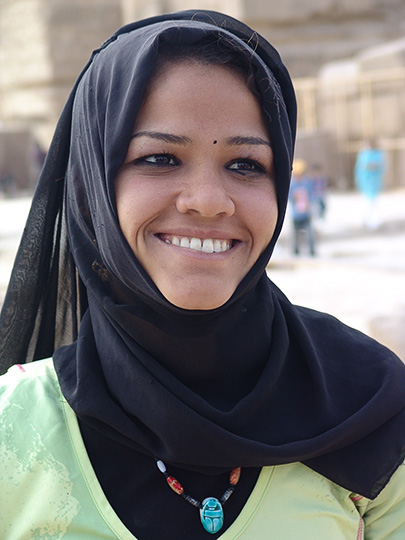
<point>319,183</point>
<point>369,174</point>
<point>301,203</point>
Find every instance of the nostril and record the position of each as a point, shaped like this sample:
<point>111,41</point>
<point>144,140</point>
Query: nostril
<point>208,200</point>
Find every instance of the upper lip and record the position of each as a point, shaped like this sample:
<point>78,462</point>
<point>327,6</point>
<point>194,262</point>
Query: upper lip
<point>194,233</point>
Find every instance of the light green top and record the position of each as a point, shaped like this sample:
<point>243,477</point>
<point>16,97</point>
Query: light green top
<point>48,489</point>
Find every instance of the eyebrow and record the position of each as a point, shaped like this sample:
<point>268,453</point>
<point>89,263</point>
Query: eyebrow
<point>240,141</point>
<point>184,140</point>
<point>165,137</point>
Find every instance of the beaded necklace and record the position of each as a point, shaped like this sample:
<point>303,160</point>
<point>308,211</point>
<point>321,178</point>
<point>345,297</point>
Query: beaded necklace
<point>211,511</point>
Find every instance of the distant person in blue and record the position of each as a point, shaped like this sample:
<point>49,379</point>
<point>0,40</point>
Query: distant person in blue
<point>369,174</point>
<point>319,182</point>
<point>301,204</point>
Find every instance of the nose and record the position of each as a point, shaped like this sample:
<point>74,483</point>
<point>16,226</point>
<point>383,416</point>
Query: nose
<point>205,194</point>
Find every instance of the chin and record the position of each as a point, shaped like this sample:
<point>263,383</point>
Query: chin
<point>192,303</point>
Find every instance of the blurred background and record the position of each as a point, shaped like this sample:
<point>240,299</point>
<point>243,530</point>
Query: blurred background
<point>347,61</point>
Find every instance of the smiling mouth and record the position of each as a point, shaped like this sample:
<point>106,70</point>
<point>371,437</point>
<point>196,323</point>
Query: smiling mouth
<point>206,245</point>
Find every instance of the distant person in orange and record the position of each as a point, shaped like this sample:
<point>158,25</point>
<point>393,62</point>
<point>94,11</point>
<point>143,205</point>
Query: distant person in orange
<point>319,183</point>
<point>301,203</point>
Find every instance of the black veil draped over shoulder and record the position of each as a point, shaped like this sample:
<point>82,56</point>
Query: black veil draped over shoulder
<point>255,382</point>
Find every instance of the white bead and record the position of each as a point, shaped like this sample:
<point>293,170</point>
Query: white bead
<point>161,466</point>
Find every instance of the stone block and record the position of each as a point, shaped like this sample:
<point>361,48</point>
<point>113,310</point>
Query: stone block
<point>319,147</point>
<point>16,159</point>
<point>390,55</point>
<point>74,30</point>
<point>294,10</point>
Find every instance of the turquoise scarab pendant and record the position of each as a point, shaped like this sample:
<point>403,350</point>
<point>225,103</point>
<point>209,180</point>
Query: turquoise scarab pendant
<point>212,515</point>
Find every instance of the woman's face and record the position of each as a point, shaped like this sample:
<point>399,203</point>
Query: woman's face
<point>195,197</point>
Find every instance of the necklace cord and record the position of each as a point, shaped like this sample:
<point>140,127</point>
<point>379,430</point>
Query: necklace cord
<point>176,486</point>
<point>211,511</point>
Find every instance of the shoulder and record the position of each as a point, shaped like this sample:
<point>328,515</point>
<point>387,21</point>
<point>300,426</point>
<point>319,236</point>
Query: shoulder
<point>384,517</point>
<point>40,370</point>
<point>320,322</point>
<point>21,373</point>
<point>37,465</point>
<point>30,408</point>
<point>345,346</point>
<point>24,386</point>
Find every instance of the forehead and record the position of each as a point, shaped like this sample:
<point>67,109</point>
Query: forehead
<point>196,67</point>
<point>183,83</point>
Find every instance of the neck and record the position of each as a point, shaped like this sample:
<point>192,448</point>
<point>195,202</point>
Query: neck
<point>218,357</point>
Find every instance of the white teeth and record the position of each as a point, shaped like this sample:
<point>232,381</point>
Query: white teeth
<point>206,245</point>
<point>195,243</point>
<point>217,246</point>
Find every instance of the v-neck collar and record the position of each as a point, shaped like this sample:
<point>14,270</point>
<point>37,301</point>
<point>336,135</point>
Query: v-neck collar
<point>108,514</point>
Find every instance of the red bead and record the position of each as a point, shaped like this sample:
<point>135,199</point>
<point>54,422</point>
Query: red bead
<point>234,476</point>
<point>175,485</point>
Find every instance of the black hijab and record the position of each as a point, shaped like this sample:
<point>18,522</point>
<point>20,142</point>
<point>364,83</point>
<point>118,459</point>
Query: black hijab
<point>255,382</point>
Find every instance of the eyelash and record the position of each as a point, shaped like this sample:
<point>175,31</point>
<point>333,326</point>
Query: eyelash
<point>254,166</point>
<point>144,160</point>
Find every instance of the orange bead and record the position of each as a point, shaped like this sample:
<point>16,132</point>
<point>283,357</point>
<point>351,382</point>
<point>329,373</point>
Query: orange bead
<point>175,485</point>
<point>234,476</point>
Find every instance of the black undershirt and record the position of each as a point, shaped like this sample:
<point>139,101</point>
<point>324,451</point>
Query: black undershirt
<point>143,501</point>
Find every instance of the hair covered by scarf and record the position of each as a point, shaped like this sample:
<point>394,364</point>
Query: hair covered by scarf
<point>292,375</point>
<point>45,299</point>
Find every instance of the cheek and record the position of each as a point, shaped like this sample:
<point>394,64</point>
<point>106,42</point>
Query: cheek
<point>138,203</point>
<point>263,214</point>
<point>128,208</point>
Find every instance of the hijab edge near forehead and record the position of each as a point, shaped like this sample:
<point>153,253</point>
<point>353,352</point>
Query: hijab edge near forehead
<point>188,32</point>
<point>105,78</point>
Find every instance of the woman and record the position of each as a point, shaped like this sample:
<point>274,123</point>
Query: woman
<point>270,421</point>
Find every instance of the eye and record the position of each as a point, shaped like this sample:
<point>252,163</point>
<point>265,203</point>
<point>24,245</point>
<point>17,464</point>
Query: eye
<point>245,166</point>
<point>157,160</point>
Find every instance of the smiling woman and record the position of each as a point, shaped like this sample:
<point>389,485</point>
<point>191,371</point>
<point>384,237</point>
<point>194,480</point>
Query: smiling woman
<point>162,349</point>
<point>197,217</point>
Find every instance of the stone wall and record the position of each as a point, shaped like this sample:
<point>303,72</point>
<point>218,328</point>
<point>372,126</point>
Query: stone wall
<point>43,46</point>
<point>307,34</point>
<point>358,99</point>
<point>45,43</point>
<point>311,33</point>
